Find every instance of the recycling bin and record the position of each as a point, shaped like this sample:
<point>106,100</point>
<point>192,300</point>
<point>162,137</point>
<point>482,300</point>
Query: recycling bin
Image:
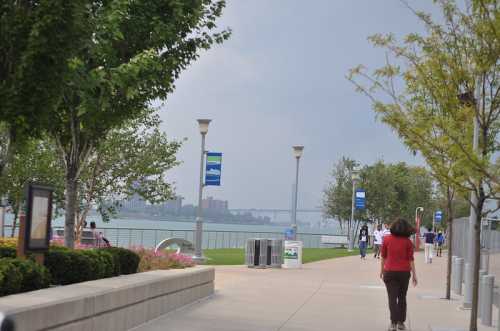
<point>293,254</point>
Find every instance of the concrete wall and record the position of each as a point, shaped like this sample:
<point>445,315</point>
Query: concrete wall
<point>118,303</point>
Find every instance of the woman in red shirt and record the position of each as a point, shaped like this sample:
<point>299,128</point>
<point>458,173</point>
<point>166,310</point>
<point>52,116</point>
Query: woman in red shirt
<point>395,267</point>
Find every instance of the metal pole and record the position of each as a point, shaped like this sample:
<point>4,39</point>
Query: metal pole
<point>472,233</point>
<point>2,220</point>
<point>295,199</point>
<point>350,235</point>
<point>199,220</point>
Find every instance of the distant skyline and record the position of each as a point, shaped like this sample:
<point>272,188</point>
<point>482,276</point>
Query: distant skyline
<point>280,81</point>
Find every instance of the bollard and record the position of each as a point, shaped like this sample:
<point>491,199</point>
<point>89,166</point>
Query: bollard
<point>467,304</point>
<point>485,259</point>
<point>459,275</point>
<point>487,299</point>
<point>480,292</point>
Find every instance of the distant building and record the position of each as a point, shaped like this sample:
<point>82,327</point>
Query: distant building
<point>214,204</point>
<point>173,206</point>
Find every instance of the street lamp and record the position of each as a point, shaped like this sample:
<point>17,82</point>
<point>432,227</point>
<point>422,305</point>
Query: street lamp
<point>198,254</point>
<point>350,236</point>
<point>417,226</point>
<point>3,205</point>
<point>297,152</point>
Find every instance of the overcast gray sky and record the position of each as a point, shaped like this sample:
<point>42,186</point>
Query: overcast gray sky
<point>280,81</point>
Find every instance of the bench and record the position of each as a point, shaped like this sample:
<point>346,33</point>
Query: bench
<point>333,241</point>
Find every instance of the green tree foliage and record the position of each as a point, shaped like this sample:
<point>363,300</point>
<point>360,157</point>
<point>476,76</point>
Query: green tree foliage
<point>392,191</point>
<point>337,197</point>
<point>33,161</point>
<point>130,160</point>
<point>447,78</point>
<point>37,38</point>
<point>132,53</point>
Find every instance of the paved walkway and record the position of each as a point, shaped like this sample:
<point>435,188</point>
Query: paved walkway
<point>339,294</point>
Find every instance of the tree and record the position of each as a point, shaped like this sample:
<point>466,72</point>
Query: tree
<point>37,38</point>
<point>337,197</point>
<point>132,54</point>
<point>34,161</point>
<point>450,79</point>
<point>392,191</point>
<point>132,160</point>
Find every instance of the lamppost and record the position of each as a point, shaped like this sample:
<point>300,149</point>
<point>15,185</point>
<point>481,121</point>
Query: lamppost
<point>417,225</point>
<point>350,227</point>
<point>297,152</point>
<point>3,205</point>
<point>198,254</point>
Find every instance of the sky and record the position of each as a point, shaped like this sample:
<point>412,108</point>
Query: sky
<point>280,81</point>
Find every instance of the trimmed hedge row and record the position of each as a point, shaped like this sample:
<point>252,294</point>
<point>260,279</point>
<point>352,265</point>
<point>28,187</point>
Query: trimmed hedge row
<point>18,276</point>
<point>63,266</point>
<point>74,266</point>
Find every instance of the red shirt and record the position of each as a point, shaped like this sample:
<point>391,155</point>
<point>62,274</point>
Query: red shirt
<point>397,253</point>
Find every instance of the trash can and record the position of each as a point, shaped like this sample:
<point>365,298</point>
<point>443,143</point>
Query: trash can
<point>264,253</point>
<point>293,254</point>
<point>257,253</point>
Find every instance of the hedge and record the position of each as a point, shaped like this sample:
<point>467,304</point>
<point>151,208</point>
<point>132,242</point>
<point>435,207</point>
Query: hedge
<point>63,266</point>
<point>128,260</point>
<point>18,275</point>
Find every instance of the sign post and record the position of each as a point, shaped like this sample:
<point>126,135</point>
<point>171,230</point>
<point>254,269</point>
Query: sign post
<point>213,169</point>
<point>34,232</point>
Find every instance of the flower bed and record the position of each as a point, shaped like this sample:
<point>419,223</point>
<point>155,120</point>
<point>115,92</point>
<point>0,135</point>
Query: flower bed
<point>161,260</point>
<point>65,266</point>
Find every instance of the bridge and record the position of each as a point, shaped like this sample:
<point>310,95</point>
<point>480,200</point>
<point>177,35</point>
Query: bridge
<point>282,211</point>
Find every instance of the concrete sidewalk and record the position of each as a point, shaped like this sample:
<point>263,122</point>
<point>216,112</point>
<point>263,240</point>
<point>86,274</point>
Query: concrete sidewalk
<point>339,294</point>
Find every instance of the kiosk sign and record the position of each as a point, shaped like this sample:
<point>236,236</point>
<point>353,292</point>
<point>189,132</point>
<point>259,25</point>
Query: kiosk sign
<point>38,218</point>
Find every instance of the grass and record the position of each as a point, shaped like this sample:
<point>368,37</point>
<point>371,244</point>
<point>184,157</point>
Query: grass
<point>236,256</point>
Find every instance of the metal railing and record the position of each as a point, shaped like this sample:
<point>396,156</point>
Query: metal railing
<point>212,239</point>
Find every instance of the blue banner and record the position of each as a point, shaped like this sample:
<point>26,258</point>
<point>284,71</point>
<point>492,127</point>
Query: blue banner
<point>213,169</point>
<point>438,216</point>
<point>360,199</point>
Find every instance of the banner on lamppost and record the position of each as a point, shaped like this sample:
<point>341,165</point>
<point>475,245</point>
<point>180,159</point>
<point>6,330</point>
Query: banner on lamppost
<point>438,216</point>
<point>213,169</point>
<point>360,199</point>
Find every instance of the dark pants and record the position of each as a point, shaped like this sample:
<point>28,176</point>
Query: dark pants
<point>396,283</point>
<point>376,250</point>
<point>362,248</point>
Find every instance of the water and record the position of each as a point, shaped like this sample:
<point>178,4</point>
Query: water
<point>148,233</point>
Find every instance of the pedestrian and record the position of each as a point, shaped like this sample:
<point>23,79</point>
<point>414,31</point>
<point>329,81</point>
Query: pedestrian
<point>396,267</point>
<point>363,240</point>
<point>440,243</point>
<point>386,230</point>
<point>95,234</point>
<point>377,241</point>
<point>429,237</point>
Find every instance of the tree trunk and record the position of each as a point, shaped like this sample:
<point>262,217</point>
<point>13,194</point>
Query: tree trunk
<point>476,264</point>
<point>71,201</point>
<point>14,223</point>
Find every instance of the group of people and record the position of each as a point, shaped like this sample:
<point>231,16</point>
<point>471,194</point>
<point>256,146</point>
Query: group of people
<point>432,240</point>
<point>393,246</point>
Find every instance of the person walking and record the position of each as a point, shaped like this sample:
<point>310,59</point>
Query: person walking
<point>429,238</point>
<point>386,231</point>
<point>377,241</point>
<point>396,267</point>
<point>363,240</point>
<point>440,243</point>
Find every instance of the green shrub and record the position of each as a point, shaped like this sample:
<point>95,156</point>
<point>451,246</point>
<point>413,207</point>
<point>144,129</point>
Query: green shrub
<point>7,251</point>
<point>129,260</point>
<point>34,276</point>
<point>69,266</point>
<point>10,277</point>
<point>102,263</point>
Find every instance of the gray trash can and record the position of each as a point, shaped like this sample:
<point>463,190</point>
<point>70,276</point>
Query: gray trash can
<point>264,253</point>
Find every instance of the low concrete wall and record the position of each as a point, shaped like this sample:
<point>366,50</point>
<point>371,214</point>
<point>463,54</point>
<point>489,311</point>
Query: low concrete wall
<point>118,303</point>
